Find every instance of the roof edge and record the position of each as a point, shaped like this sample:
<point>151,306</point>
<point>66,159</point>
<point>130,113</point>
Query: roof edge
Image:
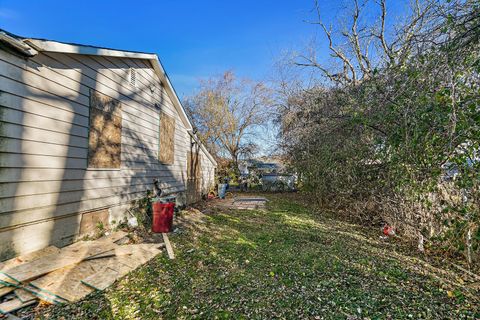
<point>204,149</point>
<point>17,44</point>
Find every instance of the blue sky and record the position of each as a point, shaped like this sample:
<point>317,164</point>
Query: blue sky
<point>195,39</point>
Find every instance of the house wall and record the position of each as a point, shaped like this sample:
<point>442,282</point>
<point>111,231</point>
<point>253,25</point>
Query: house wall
<point>208,173</point>
<point>45,185</point>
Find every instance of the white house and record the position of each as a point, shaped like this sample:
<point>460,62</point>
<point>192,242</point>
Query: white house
<point>83,131</point>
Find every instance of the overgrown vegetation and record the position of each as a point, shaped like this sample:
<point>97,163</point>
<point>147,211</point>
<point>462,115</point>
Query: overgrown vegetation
<point>394,137</point>
<point>286,262</point>
<point>141,210</point>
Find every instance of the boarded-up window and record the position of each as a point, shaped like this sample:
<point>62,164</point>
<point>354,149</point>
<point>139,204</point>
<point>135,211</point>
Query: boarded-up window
<point>193,163</point>
<point>105,135</point>
<point>167,145</point>
<point>194,177</point>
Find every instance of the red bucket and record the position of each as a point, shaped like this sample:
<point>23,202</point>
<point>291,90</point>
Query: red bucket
<point>162,216</point>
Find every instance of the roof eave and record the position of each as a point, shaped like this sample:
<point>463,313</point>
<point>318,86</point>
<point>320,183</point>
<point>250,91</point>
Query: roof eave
<point>18,44</point>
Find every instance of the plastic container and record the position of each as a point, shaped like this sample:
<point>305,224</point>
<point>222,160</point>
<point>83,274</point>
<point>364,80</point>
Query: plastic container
<point>222,189</point>
<point>162,217</point>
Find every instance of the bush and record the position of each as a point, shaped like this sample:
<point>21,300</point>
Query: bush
<point>402,146</point>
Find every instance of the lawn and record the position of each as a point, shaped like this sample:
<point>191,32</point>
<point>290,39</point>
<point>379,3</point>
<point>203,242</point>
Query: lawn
<point>285,262</point>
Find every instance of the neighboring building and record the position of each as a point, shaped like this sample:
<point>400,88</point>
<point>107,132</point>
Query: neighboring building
<point>260,166</point>
<point>278,182</point>
<point>83,131</point>
<point>271,173</point>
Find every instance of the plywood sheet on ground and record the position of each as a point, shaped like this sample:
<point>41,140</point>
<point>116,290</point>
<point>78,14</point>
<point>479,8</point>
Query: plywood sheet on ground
<point>6,290</point>
<point>111,272</point>
<point>106,277</point>
<point>24,259</point>
<point>67,256</point>
<point>24,295</point>
<point>240,203</point>
<point>65,282</point>
<point>127,250</point>
<point>14,304</point>
<point>45,296</point>
<point>28,257</point>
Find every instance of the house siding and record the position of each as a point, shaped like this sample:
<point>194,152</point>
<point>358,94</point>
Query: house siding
<point>45,184</point>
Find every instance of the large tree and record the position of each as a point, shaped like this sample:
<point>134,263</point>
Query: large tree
<point>227,113</point>
<point>360,43</point>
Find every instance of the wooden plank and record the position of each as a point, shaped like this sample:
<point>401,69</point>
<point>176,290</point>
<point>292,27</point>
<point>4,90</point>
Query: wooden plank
<point>10,316</point>
<point>42,96</point>
<point>45,296</point>
<point>50,263</point>
<point>27,257</point>
<point>138,257</point>
<point>38,175</point>
<point>170,252</point>
<point>24,258</point>
<point>17,131</point>
<point>50,211</point>
<point>5,290</point>
<point>14,304</point>
<point>67,256</point>
<point>114,93</point>
<point>24,295</point>
<point>124,264</point>
<point>12,160</point>
<point>106,277</point>
<point>65,283</point>
<point>127,250</point>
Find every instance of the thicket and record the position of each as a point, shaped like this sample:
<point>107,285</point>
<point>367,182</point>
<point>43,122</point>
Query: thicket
<point>401,145</point>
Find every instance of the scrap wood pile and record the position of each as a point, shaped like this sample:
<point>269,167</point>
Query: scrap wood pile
<point>68,274</point>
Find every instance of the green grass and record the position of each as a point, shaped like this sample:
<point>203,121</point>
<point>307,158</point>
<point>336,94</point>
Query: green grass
<point>282,263</point>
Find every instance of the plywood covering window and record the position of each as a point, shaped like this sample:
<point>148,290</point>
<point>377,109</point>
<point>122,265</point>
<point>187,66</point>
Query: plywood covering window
<point>193,165</point>
<point>105,135</point>
<point>167,133</point>
<point>194,177</point>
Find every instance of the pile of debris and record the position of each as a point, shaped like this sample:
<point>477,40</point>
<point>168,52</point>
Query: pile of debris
<point>57,276</point>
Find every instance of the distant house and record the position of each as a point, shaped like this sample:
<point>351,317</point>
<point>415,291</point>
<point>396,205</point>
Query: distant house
<point>83,131</point>
<point>271,173</point>
<point>260,166</point>
<point>278,181</point>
